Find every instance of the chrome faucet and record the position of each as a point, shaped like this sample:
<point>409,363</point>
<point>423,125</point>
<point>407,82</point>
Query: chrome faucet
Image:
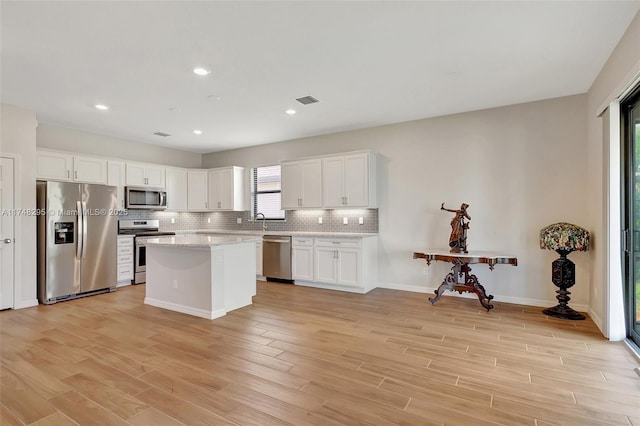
<point>264,220</point>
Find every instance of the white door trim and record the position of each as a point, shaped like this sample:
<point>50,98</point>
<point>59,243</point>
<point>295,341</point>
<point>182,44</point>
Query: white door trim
<point>17,231</point>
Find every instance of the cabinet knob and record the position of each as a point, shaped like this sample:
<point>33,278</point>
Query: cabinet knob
<point>7,241</point>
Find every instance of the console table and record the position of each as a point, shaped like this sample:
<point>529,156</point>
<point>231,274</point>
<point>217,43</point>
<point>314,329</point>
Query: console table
<point>461,269</point>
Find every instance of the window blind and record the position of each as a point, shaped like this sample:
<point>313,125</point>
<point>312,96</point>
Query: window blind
<point>265,192</point>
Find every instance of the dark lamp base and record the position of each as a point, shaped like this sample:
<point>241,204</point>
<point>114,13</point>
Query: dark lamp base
<point>563,312</point>
<point>563,273</point>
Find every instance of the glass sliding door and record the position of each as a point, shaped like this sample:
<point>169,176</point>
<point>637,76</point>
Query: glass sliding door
<point>630,112</point>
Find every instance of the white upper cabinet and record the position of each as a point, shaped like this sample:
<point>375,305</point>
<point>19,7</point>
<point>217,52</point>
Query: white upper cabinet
<point>226,186</point>
<point>54,165</point>
<point>89,169</point>
<point>176,181</point>
<point>139,174</point>
<point>301,184</point>
<point>72,168</point>
<point>349,181</point>
<point>197,185</point>
<point>116,177</point>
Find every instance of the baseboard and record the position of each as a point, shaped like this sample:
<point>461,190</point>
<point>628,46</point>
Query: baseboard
<point>359,290</point>
<point>597,320</point>
<point>26,304</point>
<point>496,297</point>
<point>202,313</point>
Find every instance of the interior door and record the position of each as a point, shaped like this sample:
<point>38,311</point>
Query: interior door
<point>631,132</point>
<point>7,233</point>
<point>99,253</point>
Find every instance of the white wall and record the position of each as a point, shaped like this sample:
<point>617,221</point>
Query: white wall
<point>18,137</point>
<point>65,139</point>
<point>519,167</point>
<point>615,75</point>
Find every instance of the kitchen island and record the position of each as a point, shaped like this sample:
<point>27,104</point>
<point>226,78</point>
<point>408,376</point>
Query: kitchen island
<point>202,275</point>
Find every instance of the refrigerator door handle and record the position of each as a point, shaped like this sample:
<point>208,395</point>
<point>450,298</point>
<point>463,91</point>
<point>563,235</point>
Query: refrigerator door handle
<point>84,229</point>
<point>79,230</point>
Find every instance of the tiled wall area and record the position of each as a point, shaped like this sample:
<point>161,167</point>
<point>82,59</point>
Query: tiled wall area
<point>296,220</point>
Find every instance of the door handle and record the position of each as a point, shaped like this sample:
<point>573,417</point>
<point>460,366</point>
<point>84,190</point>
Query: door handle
<point>79,232</point>
<point>7,241</point>
<point>84,230</point>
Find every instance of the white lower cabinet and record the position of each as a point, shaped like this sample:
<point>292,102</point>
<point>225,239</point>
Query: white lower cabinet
<point>302,259</point>
<point>348,264</point>
<point>259,258</point>
<point>338,262</point>
<point>125,259</point>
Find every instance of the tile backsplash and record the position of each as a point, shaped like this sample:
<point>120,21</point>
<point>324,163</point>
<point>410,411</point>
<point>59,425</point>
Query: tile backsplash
<point>295,220</point>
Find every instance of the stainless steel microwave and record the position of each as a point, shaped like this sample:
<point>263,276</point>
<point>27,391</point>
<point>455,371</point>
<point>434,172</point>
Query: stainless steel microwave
<point>137,197</point>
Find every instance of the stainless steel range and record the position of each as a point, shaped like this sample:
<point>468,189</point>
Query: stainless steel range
<point>142,231</point>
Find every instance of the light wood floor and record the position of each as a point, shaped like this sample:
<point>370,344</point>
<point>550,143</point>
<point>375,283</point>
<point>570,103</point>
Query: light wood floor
<point>304,356</point>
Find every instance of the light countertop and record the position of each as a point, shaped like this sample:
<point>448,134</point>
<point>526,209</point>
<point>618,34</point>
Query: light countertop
<point>201,240</point>
<point>291,233</point>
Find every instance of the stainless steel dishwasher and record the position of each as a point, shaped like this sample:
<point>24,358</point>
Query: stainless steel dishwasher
<point>276,257</point>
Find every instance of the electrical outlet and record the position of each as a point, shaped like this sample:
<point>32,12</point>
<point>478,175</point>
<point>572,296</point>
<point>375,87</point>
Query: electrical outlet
<point>361,220</point>
<point>173,220</point>
<point>175,283</point>
<point>426,271</point>
<point>345,220</point>
<point>320,220</point>
<point>208,220</point>
<point>239,220</point>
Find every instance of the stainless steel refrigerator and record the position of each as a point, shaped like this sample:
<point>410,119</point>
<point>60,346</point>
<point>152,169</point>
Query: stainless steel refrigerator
<point>77,240</point>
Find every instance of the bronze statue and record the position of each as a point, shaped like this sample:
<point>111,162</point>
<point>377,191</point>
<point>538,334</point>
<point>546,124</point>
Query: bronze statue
<point>458,237</point>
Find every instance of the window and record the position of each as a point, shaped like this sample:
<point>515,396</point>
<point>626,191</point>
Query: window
<point>265,192</point>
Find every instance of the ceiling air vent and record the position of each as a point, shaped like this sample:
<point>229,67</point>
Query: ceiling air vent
<point>163,134</point>
<point>306,100</point>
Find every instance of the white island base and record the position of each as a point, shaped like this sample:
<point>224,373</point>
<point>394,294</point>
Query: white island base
<point>203,276</point>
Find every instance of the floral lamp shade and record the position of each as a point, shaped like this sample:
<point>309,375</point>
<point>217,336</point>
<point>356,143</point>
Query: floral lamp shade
<point>565,237</point>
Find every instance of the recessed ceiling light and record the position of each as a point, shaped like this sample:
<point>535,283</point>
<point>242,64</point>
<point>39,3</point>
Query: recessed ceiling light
<point>197,132</point>
<point>102,107</point>
<point>290,111</point>
<point>201,71</point>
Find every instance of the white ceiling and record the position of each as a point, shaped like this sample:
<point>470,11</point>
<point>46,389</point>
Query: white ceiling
<point>369,63</point>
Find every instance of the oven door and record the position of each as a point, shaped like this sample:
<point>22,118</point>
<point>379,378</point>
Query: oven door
<point>140,259</point>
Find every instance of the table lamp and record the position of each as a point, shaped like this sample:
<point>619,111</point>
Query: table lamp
<point>564,238</point>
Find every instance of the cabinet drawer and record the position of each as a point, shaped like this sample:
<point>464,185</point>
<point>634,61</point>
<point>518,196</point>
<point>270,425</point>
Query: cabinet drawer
<point>126,274</point>
<point>125,260</point>
<point>125,242</point>
<point>350,243</point>
<point>122,250</point>
<point>297,241</point>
